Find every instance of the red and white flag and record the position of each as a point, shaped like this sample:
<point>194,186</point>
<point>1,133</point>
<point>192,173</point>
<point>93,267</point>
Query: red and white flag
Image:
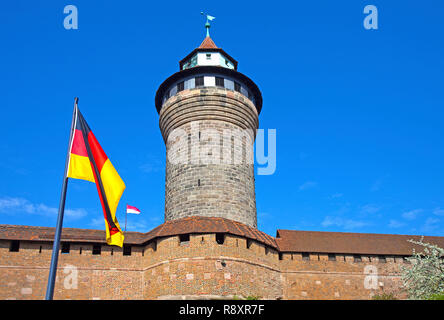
<point>131,209</point>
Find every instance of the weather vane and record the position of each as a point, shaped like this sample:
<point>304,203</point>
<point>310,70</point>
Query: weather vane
<point>207,24</point>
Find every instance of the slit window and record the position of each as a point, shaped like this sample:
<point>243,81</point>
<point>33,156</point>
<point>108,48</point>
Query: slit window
<point>180,86</point>
<point>220,238</point>
<point>97,249</point>
<point>199,81</point>
<point>14,246</point>
<point>220,82</point>
<point>126,250</point>
<point>249,242</point>
<point>65,247</point>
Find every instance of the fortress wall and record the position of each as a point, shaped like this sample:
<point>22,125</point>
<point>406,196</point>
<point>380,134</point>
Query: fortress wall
<point>319,278</point>
<point>163,268</point>
<point>168,268</point>
<point>24,274</point>
<point>204,267</point>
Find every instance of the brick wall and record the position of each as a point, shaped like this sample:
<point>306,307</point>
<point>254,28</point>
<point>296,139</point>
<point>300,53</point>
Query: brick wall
<point>169,268</point>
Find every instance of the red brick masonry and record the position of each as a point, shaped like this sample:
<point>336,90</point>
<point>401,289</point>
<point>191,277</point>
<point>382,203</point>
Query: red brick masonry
<point>220,258</point>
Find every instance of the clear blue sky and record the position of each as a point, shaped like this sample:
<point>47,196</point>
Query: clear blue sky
<point>358,113</point>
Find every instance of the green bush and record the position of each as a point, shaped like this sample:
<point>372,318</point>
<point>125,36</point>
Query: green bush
<point>384,296</point>
<point>438,296</point>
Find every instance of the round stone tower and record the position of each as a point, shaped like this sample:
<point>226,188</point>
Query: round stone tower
<point>208,119</point>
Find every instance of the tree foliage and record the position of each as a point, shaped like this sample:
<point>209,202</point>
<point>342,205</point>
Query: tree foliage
<point>424,277</point>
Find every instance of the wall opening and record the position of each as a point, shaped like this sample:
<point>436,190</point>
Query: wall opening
<point>40,249</point>
<point>331,257</point>
<point>180,86</point>
<point>305,256</point>
<point>65,247</point>
<point>126,250</point>
<point>184,239</point>
<point>249,242</point>
<point>382,259</point>
<point>220,238</point>
<point>199,81</point>
<point>357,258</point>
<point>14,246</point>
<point>97,249</point>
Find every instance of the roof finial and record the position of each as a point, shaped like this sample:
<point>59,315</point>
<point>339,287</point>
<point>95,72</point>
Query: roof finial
<point>207,24</point>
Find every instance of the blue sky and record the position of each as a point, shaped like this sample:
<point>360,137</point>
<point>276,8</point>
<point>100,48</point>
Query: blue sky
<point>358,113</point>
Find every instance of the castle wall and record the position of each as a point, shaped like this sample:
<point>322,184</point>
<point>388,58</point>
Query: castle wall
<point>168,268</point>
<point>345,278</point>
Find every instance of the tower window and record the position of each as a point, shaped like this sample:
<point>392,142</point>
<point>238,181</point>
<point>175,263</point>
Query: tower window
<point>14,246</point>
<point>237,87</point>
<point>65,247</point>
<point>97,249</point>
<point>208,56</point>
<point>126,250</point>
<point>249,242</point>
<point>220,82</point>
<point>220,238</point>
<point>180,86</point>
<point>199,81</point>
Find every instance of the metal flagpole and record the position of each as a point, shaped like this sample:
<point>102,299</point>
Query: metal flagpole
<point>126,215</point>
<point>58,232</point>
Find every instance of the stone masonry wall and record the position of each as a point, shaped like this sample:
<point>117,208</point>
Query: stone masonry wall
<point>170,269</point>
<point>209,135</point>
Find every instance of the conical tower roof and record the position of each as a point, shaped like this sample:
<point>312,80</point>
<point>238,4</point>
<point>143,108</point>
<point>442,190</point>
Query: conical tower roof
<point>208,43</point>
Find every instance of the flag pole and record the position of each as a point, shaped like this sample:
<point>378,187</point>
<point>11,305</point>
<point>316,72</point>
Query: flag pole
<point>58,232</point>
<point>126,215</point>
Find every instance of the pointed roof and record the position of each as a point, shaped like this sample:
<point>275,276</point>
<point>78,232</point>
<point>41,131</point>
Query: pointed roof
<point>208,43</point>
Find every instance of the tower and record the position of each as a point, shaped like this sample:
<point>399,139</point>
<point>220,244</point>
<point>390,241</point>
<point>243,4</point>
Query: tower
<point>208,116</point>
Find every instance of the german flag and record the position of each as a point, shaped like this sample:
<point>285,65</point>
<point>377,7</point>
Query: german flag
<point>88,161</point>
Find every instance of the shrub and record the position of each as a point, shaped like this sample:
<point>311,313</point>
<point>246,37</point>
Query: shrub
<point>424,278</point>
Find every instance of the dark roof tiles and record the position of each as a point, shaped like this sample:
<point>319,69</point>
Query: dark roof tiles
<point>350,243</point>
<point>286,240</point>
